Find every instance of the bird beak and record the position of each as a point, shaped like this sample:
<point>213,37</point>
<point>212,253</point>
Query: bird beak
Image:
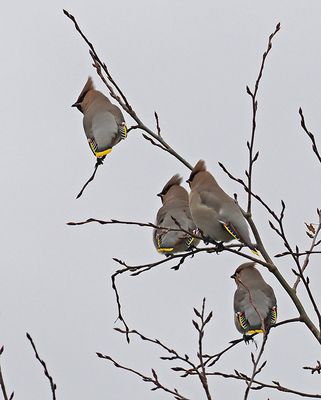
<point>75,105</point>
<point>188,181</point>
<point>233,276</point>
<point>159,195</point>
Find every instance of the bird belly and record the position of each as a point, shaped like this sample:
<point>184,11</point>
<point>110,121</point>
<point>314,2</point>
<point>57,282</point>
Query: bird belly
<point>105,131</point>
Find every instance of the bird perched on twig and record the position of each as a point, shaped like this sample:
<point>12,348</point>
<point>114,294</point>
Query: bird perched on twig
<point>104,123</point>
<point>255,305</point>
<point>215,213</point>
<point>174,214</point>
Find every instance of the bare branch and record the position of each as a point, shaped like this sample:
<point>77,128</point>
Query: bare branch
<point>310,135</point>
<point>119,96</point>
<point>53,386</point>
<point>93,53</point>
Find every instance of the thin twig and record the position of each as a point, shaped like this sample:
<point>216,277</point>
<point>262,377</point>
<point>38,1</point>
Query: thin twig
<point>151,379</point>
<point>120,315</point>
<point>98,162</point>
<point>306,283</point>
<point>310,135</point>
<point>92,49</point>
<point>304,253</point>
<point>261,385</point>
<point>316,369</point>
<point>174,355</point>
<point>157,124</point>
<point>250,145</point>
<point>137,223</point>
<point>53,386</point>
<point>286,321</point>
<point>310,251</point>
<point>256,370</point>
<point>200,329</point>
<point>2,384</point>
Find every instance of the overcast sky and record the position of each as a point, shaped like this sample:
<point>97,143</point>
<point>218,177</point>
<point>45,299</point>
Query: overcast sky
<point>191,62</point>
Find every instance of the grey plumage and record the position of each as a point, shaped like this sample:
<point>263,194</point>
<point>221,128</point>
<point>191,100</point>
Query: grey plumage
<point>174,214</point>
<point>255,307</point>
<point>214,212</point>
<point>103,121</point>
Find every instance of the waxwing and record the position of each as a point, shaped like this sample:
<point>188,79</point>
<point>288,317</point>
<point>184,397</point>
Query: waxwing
<point>103,121</point>
<point>215,213</point>
<point>255,305</point>
<point>174,214</point>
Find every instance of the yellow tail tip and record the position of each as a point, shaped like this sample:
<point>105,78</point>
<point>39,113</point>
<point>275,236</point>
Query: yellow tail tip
<point>256,252</point>
<point>254,331</point>
<point>101,154</point>
<point>165,249</point>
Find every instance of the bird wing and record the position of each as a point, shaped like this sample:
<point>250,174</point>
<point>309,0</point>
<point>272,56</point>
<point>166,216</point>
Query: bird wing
<point>122,129</point>
<point>251,309</point>
<point>271,304</point>
<point>211,201</point>
<point>240,300</point>
<point>172,239</point>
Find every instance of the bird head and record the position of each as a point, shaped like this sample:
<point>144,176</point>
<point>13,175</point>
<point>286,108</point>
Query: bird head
<point>79,102</point>
<point>175,180</point>
<point>199,167</point>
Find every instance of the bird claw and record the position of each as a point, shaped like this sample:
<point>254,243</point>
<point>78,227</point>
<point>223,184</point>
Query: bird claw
<point>100,161</point>
<point>249,338</point>
<point>219,247</point>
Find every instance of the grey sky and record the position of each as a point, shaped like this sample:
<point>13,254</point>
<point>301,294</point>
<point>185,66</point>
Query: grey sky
<point>189,61</point>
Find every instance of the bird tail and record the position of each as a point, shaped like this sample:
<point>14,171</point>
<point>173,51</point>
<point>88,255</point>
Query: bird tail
<point>234,233</point>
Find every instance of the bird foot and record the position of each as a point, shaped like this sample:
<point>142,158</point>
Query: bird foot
<point>219,246</point>
<point>100,161</point>
<point>249,338</point>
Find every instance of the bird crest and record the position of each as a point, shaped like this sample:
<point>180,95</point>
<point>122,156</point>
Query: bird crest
<point>199,167</point>
<point>88,86</point>
<point>175,180</point>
